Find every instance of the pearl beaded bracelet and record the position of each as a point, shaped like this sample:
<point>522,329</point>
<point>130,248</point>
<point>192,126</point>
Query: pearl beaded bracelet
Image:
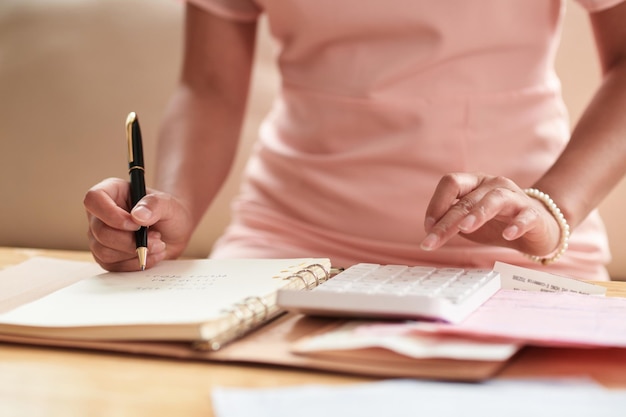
<point>560,219</point>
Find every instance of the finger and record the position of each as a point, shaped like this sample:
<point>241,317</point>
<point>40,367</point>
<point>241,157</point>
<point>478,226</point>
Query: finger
<point>152,208</point>
<point>521,224</point>
<point>115,260</point>
<point>536,232</point>
<point>492,197</point>
<point>105,254</point>
<point>110,237</point>
<point>108,201</point>
<point>132,264</point>
<point>153,257</point>
<point>118,241</point>
<point>498,202</point>
<point>449,190</point>
<point>114,189</point>
<point>447,226</point>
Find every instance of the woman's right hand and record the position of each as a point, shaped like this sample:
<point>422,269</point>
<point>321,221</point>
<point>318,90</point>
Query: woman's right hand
<point>112,225</point>
<point>194,156</point>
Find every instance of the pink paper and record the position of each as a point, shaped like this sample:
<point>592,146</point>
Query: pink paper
<point>533,318</point>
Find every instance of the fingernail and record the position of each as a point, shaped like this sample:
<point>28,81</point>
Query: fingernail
<point>430,242</point>
<point>142,213</point>
<point>468,222</point>
<point>510,233</point>
<point>130,226</point>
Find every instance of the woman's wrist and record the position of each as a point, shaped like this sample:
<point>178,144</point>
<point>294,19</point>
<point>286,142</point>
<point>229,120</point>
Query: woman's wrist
<point>560,219</point>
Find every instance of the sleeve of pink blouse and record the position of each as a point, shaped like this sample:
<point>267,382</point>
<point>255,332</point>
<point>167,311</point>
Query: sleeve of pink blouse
<point>597,5</point>
<point>242,10</point>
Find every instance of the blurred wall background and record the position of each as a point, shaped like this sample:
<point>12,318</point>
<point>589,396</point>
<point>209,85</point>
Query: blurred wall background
<point>71,70</point>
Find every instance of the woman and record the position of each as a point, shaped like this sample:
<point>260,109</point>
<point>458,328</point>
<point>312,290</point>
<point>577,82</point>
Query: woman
<point>423,133</point>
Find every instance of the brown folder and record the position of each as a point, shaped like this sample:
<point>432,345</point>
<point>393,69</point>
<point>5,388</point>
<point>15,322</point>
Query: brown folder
<point>272,343</point>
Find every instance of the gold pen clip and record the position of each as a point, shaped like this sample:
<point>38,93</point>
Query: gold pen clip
<point>132,116</point>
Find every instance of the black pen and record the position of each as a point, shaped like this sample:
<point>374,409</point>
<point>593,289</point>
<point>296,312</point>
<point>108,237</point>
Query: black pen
<point>137,181</point>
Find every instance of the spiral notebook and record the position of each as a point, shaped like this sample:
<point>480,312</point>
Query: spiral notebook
<point>190,310</point>
<point>207,302</point>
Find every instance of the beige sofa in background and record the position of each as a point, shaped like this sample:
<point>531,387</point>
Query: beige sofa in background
<point>71,70</point>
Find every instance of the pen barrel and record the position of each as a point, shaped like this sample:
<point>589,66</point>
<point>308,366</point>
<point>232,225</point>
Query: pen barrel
<point>136,144</point>
<point>137,192</point>
<point>141,237</point>
<point>137,185</point>
<point>137,181</point>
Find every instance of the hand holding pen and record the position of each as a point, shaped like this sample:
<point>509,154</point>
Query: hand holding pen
<point>130,222</point>
<point>137,181</point>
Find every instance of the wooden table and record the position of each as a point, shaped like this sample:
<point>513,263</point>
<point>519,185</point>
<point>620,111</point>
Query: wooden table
<point>50,382</point>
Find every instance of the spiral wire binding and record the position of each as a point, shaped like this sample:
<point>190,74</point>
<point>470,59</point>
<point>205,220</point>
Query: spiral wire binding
<point>254,311</point>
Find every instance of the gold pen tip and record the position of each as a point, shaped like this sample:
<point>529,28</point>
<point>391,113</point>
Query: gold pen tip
<point>142,254</point>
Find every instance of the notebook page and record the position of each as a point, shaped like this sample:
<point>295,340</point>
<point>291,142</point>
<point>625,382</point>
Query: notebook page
<point>39,276</point>
<point>181,291</point>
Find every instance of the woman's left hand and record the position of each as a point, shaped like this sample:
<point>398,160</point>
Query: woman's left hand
<point>490,210</point>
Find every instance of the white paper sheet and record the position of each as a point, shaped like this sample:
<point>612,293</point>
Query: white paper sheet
<point>514,277</point>
<point>408,398</point>
<point>360,335</point>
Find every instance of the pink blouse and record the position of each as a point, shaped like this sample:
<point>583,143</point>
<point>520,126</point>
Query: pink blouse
<point>378,101</point>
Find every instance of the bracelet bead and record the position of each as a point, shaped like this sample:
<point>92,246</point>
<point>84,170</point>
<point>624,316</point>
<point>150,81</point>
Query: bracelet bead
<point>560,218</point>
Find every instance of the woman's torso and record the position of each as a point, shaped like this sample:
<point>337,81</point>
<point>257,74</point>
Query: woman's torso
<point>377,103</point>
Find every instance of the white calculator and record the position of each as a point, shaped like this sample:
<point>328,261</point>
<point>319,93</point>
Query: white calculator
<point>396,292</point>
